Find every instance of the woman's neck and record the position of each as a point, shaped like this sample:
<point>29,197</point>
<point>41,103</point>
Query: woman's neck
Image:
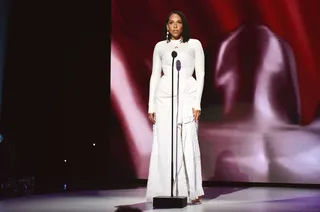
<point>177,38</point>
<point>172,39</point>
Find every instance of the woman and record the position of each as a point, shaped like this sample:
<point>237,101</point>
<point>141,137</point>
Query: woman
<point>187,164</point>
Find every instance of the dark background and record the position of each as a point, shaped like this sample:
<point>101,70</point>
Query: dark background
<point>56,97</point>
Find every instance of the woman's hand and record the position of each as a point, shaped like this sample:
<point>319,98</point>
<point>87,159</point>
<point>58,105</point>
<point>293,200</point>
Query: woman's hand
<point>152,117</point>
<point>196,114</point>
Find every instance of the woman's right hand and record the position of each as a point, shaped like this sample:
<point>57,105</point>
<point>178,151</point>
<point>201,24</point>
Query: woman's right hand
<point>152,117</point>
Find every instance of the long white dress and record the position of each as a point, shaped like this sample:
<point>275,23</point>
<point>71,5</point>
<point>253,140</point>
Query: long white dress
<point>187,163</point>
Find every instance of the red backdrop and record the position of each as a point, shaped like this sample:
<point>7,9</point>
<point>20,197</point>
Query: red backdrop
<point>137,26</point>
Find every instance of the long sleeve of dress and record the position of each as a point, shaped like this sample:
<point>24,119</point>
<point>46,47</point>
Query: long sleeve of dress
<point>199,68</point>
<point>155,77</point>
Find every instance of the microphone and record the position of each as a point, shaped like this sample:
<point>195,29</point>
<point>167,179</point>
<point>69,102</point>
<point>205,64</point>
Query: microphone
<point>178,65</point>
<point>174,54</point>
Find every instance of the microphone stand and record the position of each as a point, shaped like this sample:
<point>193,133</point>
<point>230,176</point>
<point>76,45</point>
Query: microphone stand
<point>177,201</point>
<point>178,66</point>
<point>173,54</point>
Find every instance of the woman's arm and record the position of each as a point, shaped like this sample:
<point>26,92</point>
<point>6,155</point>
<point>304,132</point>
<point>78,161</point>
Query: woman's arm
<point>199,68</point>
<point>155,76</point>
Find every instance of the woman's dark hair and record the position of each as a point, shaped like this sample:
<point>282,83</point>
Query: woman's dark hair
<point>185,25</point>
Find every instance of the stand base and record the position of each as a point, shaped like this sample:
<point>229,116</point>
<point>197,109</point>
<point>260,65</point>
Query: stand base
<point>169,202</point>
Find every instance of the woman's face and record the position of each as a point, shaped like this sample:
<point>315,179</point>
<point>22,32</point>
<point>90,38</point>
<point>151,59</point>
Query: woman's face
<point>175,27</point>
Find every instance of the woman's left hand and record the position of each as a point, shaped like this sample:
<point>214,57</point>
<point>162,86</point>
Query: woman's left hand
<point>196,114</point>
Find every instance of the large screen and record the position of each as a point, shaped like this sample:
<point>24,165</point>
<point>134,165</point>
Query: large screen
<point>260,107</point>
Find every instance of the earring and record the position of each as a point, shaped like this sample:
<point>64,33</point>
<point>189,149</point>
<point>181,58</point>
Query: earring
<point>167,36</point>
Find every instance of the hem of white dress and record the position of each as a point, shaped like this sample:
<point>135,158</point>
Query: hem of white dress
<point>196,195</point>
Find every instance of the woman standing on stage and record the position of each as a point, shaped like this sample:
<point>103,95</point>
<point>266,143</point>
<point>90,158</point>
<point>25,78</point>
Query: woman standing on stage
<point>187,109</point>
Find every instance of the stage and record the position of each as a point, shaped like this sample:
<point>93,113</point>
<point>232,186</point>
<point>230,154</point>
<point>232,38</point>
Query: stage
<point>254,199</point>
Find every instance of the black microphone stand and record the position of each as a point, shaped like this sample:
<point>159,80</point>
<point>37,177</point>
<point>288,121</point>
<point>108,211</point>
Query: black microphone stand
<point>174,55</point>
<point>177,201</point>
<point>178,66</point>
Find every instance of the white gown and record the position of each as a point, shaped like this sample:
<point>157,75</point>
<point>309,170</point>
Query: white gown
<point>188,161</point>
